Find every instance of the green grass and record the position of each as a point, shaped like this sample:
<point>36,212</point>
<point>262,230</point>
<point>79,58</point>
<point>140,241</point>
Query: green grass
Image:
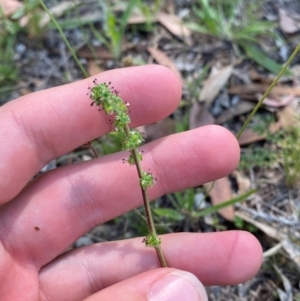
<point>236,21</point>
<point>114,26</point>
<point>8,33</point>
<point>8,71</point>
<point>281,148</point>
<point>289,145</point>
<point>9,30</point>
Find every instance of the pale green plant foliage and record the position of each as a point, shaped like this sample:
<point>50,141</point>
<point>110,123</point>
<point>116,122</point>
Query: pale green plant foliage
<point>290,154</point>
<point>224,20</point>
<point>184,204</point>
<point>8,32</point>
<point>109,101</point>
<point>110,143</point>
<point>185,209</point>
<point>8,71</point>
<point>218,20</point>
<point>292,177</point>
<point>273,84</point>
<point>114,26</point>
<point>9,29</point>
<point>149,11</point>
<point>257,157</point>
<point>242,225</point>
<point>152,241</point>
<point>32,12</point>
<point>282,147</point>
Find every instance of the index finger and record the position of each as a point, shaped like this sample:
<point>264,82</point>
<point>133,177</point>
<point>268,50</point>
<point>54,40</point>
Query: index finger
<point>41,126</point>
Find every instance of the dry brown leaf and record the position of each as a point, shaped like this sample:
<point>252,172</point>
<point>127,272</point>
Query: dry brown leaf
<point>249,136</point>
<point>199,116</point>
<point>164,60</point>
<point>243,182</point>
<point>174,25</point>
<point>93,68</point>
<point>140,19</point>
<point>278,102</point>
<point>288,22</point>
<point>241,108</point>
<point>279,96</point>
<point>137,19</point>
<point>254,75</point>
<point>101,53</point>
<point>10,6</point>
<point>213,85</point>
<point>286,118</point>
<point>221,192</point>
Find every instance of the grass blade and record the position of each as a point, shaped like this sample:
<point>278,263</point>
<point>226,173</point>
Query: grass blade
<point>64,38</point>
<point>216,208</point>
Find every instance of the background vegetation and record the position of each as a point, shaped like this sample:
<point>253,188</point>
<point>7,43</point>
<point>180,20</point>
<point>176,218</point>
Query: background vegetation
<point>226,53</point>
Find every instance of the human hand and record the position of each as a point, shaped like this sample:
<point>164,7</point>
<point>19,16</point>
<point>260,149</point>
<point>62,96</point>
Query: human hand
<point>41,219</point>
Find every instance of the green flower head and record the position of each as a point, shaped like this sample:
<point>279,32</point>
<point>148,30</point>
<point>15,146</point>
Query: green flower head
<point>133,140</point>
<point>108,99</point>
<point>147,180</point>
<point>152,241</point>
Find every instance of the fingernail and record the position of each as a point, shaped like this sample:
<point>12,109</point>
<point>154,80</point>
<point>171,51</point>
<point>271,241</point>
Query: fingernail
<point>179,286</point>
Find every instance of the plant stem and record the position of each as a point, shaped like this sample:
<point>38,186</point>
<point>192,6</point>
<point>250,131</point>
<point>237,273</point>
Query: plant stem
<point>149,218</point>
<point>268,91</point>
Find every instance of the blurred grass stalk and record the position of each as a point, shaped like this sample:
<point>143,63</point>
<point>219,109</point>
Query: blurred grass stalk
<point>84,72</point>
<point>275,81</point>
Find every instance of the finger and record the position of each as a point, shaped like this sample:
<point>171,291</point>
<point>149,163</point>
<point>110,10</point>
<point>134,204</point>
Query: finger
<point>156,285</point>
<point>69,201</point>
<point>223,258</point>
<point>44,125</point>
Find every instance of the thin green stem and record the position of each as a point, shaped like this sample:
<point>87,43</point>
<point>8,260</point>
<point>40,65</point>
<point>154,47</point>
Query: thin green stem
<point>104,96</point>
<point>64,38</point>
<point>268,90</point>
<point>148,213</point>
